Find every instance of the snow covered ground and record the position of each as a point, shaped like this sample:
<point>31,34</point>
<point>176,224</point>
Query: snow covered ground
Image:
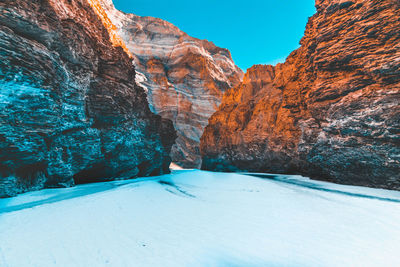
<point>196,218</point>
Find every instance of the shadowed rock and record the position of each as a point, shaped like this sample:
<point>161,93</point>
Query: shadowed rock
<point>70,111</point>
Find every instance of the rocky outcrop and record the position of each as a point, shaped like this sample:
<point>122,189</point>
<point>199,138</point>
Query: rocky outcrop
<point>70,111</point>
<point>185,77</point>
<point>331,111</point>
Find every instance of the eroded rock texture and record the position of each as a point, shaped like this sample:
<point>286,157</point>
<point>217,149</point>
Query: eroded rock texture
<point>185,77</point>
<point>331,111</point>
<point>70,111</point>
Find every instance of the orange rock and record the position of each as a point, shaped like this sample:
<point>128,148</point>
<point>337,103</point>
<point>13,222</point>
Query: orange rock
<point>184,77</point>
<point>331,111</point>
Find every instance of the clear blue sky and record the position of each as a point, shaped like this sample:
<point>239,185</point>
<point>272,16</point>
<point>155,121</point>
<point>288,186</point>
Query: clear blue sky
<point>255,31</point>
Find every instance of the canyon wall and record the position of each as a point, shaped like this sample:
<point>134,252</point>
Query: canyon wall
<point>331,111</point>
<point>185,77</point>
<point>70,110</point>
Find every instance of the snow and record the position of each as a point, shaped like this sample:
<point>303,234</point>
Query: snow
<point>197,218</point>
<point>174,166</point>
<point>141,79</point>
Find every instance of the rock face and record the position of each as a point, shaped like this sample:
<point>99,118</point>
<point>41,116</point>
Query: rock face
<point>70,110</point>
<point>331,111</point>
<point>185,77</point>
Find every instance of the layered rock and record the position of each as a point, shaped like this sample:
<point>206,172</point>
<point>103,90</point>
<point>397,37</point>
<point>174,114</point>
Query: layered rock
<point>185,77</point>
<point>70,110</point>
<point>331,111</point>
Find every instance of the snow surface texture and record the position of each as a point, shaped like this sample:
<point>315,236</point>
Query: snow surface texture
<point>197,218</point>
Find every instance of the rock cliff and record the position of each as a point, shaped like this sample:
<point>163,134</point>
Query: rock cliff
<point>70,110</point>
<point>185,77</point>
<point>331,111</point>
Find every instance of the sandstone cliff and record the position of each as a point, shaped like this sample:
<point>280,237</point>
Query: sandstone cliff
<point>331,111</point>
<point>185,77</point>
<point>70,111</point>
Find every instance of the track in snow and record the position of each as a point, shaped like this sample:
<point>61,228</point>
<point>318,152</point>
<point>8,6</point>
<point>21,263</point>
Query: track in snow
<point>196,218</point>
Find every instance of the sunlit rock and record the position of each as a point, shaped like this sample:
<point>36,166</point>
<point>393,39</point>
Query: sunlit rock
<point>185,77</point>
<point>331,111</point>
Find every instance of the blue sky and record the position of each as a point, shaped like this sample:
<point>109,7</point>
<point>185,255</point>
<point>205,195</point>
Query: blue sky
<point>255,31</point>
